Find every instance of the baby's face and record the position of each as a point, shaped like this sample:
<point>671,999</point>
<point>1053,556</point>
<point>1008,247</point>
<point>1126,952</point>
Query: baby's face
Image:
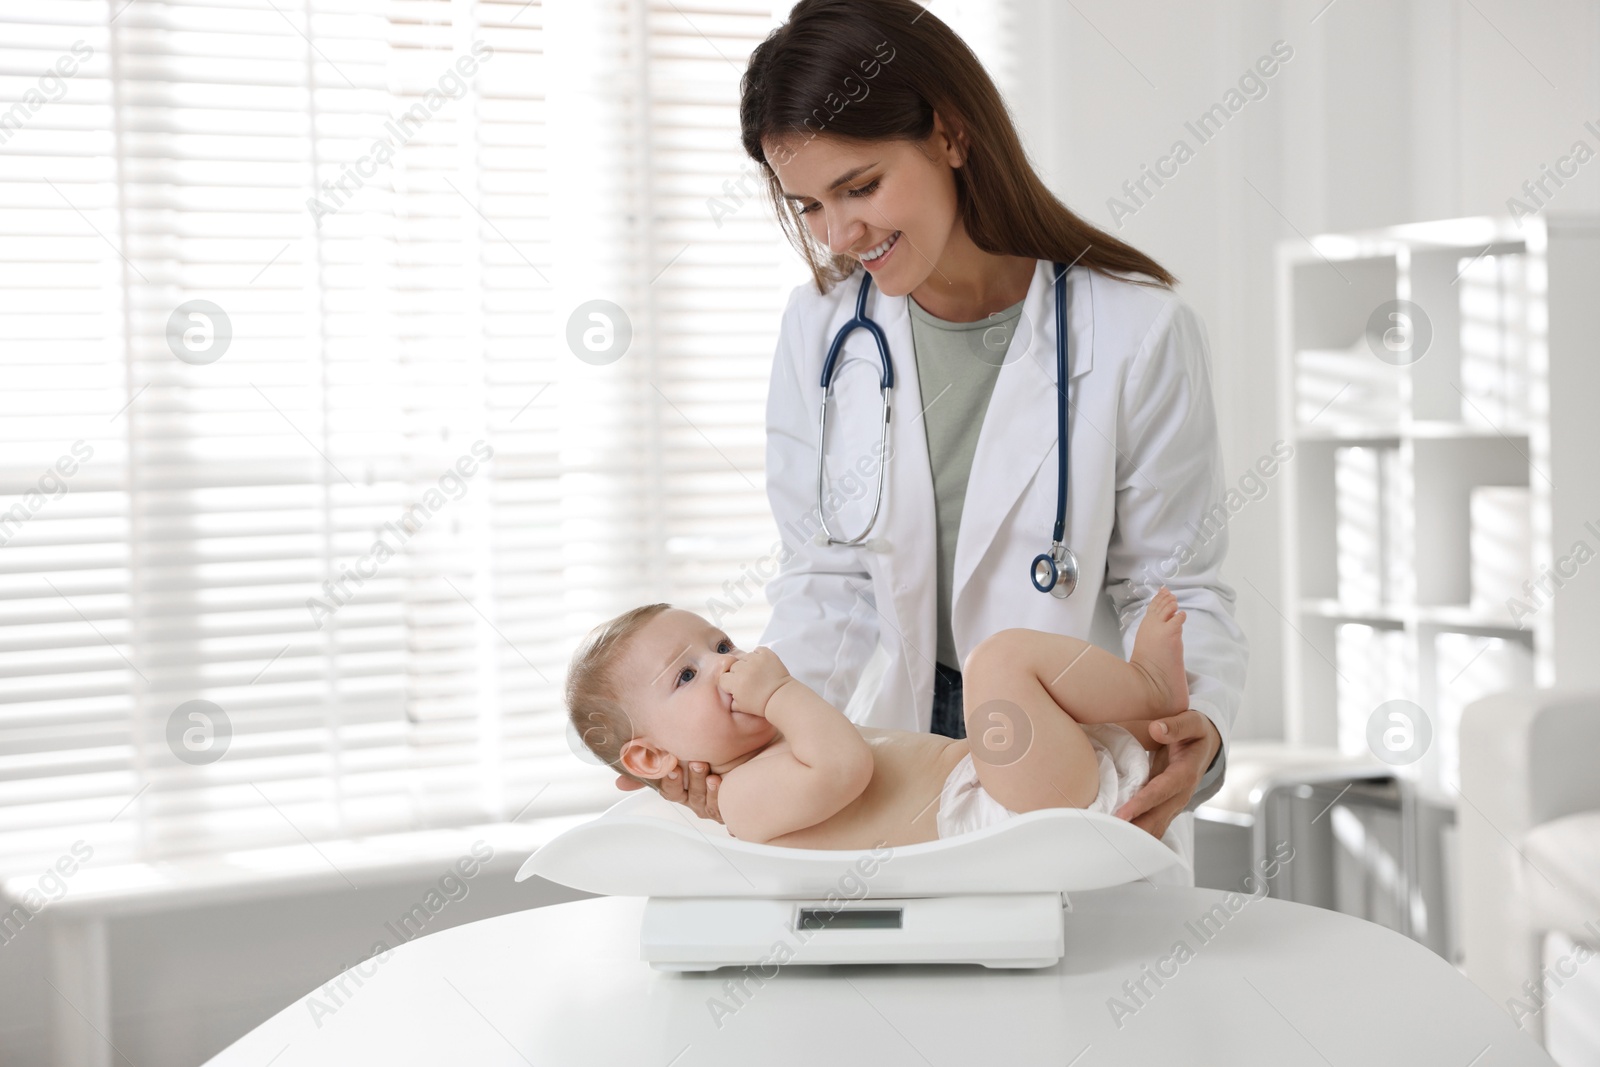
<point>669,678</point>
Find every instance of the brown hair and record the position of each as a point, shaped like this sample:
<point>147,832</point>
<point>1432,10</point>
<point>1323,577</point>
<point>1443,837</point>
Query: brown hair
<point>815,74</point>
<point>593,705</point>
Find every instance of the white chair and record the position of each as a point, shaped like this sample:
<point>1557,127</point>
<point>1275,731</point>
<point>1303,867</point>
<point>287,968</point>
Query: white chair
<point>1529,836</point>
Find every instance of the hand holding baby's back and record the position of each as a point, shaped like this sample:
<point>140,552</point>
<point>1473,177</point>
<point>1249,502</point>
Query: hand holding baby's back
<point>753,678</point>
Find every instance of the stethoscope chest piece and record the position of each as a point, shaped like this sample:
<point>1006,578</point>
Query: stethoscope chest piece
<point>1056,572</point>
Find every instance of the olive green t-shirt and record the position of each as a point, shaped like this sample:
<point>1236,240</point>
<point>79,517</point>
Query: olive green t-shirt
<point>957,364</point>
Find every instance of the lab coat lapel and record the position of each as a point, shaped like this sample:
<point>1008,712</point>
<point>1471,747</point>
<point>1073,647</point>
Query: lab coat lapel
<point>1019,426</point>
<point>909,567</point>
<point>906,571</point>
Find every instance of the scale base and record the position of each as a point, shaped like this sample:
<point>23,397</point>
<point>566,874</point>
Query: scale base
<point>1001,930</point>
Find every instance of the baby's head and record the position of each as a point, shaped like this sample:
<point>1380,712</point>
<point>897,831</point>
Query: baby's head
<point>642,692</point>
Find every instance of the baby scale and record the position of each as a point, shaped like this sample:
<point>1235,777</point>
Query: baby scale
<point>996,896</point>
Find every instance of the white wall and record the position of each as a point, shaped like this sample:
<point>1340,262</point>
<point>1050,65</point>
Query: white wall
<point>1388,112</point>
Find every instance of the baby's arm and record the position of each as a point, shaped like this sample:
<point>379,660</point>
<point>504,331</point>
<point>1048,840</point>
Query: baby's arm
<point>826,766</point>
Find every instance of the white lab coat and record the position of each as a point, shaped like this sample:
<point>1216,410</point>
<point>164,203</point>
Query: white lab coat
<point>1146,473</point>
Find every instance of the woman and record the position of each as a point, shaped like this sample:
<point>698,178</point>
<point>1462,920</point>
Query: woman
<point>887,148</point>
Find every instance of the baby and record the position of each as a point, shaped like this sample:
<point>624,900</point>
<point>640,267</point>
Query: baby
<point>1052,722</point>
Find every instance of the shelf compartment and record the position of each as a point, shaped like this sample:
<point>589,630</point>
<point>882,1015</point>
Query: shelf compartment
<point>1376,664</point>
<point>1373,521</point>
<point>1337,378</point>
<point>1479,301</point>
<point>1446,472</point>
<point>1346,386</point>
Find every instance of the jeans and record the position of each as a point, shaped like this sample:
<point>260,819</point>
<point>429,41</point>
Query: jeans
<point>948,717</point>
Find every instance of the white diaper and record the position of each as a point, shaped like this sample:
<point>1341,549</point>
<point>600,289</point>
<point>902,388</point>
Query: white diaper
<point>964,805</point>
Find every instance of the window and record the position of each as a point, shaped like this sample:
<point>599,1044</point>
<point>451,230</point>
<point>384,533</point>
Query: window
<point>305,493</point>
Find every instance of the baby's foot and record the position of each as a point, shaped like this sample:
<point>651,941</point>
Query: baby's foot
<point>1158,652</point>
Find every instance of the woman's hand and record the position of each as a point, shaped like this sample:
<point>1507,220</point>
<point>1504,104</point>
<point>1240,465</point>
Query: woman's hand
<point>752,679</point>
<point>1189,741</point>
<point>700,797</point>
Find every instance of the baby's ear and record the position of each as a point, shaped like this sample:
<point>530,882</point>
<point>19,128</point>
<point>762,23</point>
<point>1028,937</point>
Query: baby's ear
<point>644,760</point>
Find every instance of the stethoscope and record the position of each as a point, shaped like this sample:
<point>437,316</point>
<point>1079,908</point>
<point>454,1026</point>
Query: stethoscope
<point>1054,572</point>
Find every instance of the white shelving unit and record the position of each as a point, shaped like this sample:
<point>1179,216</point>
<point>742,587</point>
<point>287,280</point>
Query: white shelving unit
<point>1400,562</point>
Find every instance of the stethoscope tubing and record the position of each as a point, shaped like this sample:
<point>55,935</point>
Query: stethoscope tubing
<point>1057,567</point>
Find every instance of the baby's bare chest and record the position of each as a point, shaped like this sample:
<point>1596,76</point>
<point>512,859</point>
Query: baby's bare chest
<point>900,804</point>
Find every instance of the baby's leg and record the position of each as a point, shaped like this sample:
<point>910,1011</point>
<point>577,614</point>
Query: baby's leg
<point>1085,680</point>
<point>1018,683</point>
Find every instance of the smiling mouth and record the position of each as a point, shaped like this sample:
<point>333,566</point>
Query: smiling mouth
<point>872,255</point>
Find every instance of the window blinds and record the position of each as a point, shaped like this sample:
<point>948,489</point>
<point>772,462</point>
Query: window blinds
<point>308,484</point>
<point>364,498</point>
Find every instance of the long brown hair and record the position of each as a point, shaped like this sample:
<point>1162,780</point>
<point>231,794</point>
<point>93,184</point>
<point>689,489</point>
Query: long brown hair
<point>872,70</point>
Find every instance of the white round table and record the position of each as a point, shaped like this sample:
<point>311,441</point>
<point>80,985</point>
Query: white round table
<point>1268,982</point>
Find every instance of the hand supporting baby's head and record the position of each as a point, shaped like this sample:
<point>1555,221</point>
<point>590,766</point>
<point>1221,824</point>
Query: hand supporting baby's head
<point>645,693</point>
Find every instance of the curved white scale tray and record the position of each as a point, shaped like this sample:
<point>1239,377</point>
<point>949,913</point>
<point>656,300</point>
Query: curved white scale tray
<point>647,846</point>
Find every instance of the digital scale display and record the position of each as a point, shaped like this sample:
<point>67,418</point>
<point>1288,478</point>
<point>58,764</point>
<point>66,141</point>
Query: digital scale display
<point>849,918</point>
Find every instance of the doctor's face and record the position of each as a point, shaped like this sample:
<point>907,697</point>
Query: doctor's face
<point>669,678</point>
<point>857,197</point>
